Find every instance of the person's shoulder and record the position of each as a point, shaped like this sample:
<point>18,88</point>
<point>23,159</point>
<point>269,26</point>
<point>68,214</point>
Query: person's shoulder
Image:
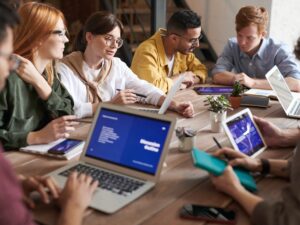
<point>232,42</point>
<point>273,44</point>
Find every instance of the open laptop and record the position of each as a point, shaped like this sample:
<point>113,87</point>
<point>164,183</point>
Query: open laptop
<point>289,102</point>
<point>164,107</point>
<point>125,151</point>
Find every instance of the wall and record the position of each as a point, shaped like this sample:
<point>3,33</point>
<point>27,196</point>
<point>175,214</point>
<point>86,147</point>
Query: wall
<point>285,21</point>
<point>218,17</point>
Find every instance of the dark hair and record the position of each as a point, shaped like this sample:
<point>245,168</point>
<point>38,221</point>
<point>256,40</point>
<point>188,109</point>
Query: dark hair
<point>297,49</point>
<point>252,15</point>
<point>182,20</point>
<point>98,23</point>
<point>8,18</point>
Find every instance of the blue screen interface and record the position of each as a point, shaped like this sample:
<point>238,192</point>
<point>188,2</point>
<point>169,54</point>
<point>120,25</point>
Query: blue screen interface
<point>128,140</point>
<point>245,134</point>
<point>213,90</point>
<point>64,146</point>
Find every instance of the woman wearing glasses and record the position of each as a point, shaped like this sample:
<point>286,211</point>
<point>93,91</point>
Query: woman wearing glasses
<point>34,106</point>
<point>92,74</point>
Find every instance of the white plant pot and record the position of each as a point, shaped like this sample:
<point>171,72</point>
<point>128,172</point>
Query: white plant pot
<point>216,120</point>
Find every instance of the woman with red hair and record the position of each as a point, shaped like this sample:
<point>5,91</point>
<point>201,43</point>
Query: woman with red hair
<point>34,107</point>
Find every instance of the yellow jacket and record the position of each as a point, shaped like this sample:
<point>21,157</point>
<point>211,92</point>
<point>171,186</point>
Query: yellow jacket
<point>150,63</point>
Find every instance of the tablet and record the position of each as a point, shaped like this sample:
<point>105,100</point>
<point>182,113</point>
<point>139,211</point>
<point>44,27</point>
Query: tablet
<point>213,90</point>
<point>244,134</point>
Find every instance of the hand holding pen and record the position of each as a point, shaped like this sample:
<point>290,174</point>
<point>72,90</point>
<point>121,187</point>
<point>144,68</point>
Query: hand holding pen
<point>126,96</point>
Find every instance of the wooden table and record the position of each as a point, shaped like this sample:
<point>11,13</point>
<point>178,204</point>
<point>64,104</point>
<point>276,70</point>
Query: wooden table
<point>180,181</point>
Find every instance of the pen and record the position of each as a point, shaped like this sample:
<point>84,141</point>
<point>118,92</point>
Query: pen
<point>137,94</point>
<point>217,143</point>
<point>220,146</point>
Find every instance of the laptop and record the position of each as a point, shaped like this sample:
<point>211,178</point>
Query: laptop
<point>289,102</point>
<point>164,107</point>
<point>125,151</point>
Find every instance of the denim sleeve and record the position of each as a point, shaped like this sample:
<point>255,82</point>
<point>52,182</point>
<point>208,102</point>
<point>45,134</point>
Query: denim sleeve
<point>225,61</point>
<point>285,62</point>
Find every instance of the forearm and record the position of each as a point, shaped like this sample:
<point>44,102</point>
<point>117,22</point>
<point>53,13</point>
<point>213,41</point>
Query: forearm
<point>225,78</point>
<point>43,89</point>
<point>294,84</point>
<point>246,199</point>
<point>261,84</point>
<point>70,215</point>
<point>290,137</point>
<point>279,168</point>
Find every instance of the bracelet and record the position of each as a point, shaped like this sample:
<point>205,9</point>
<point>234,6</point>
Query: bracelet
<point>265,164</point>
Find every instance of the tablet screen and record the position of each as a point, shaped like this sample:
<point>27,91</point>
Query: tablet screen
<point>245,134</point>
<point>213,90</point>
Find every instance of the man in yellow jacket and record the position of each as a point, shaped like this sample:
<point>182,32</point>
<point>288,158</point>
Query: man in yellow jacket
<point>168,53</point>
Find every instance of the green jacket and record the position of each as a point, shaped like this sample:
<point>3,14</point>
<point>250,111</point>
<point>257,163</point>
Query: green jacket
<point>22,111</point>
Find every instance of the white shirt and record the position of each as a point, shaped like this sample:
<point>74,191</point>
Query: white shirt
<point>119,77</point>
<point>170,66</point>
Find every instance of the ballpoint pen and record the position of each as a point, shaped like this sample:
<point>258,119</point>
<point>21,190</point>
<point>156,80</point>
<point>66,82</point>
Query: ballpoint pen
<point>137,94</point>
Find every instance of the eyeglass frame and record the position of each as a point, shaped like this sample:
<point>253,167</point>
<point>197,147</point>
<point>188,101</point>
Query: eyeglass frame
<point>112,40</point>
<point>60,33</point>
<point>14,61</point>
<point>192,41</point>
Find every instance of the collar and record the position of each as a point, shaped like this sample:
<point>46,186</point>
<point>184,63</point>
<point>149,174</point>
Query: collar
<point>157,37</point>
<point>259,53</point>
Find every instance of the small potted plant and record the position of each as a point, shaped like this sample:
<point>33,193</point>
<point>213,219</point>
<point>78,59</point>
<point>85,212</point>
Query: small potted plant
<point>218,106</point>
<point>236,97</point>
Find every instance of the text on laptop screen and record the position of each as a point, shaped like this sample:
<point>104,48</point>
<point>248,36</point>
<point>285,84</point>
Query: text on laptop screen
<point>128,140</point>
<point>245,134</point>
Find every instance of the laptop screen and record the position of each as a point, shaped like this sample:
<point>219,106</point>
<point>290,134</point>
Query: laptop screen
<point>281,88</point>
<point>128,140</point>
<point>245,134</point>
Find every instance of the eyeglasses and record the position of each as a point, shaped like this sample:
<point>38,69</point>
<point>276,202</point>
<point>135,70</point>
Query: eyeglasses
<point>60,33</point>
<point>192,41</point>
<point>12,59</point>
<point>110,41</point>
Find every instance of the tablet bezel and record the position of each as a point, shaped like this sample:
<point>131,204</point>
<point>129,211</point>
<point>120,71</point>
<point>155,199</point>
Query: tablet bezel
<point>229,134</point>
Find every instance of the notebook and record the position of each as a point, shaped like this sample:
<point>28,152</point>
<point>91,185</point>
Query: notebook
<point>244,134</point>
<point>164,107</point>
<point>125,151</point>
<point>289,102</point>
<point>61,149</point>
<point>216,166</point>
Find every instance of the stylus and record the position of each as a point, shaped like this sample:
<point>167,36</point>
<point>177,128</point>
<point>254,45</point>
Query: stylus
<point>217,143</point>
<point>220,146</point>
<point>137,94</point>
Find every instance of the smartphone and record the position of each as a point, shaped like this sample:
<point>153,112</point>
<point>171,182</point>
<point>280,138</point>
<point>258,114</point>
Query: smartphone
<point>64,147</point>
<point>208,213</point>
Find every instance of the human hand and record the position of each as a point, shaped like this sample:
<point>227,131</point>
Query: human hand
<point>57,128</point>
<point>125,96</point>
<point>45,186</point>
<point>239,159</point>
<point>273,135</point>
<point>189,78</point>
<point>28,72</point>
<point>78,191</point>
<point>245,80</point>
<point>227,182</point>
<point>186,109</point>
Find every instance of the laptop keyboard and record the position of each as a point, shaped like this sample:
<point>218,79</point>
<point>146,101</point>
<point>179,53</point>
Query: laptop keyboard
<point>112,182</point>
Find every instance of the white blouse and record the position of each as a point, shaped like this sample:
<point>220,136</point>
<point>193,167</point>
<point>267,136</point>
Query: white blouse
<point>119,77</point>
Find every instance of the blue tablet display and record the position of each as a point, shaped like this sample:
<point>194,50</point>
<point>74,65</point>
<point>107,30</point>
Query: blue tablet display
<point>245,134</point>
<point>213,90</point>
